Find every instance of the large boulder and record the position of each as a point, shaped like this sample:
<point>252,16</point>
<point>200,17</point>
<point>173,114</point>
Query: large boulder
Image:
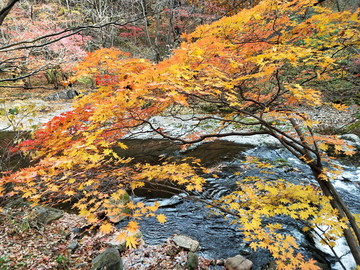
<point>186,242</point>
<point>46,215</point>
<point>353,139</point>
<point>16,203</point>
<point>238,263</point>
<point>108,260</point>
<point>63,94</point>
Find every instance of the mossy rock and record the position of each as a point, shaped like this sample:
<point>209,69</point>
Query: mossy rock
<point>121,202</point>
<point>353,128</point>
<point>46,215</point>
<point>108,260</point>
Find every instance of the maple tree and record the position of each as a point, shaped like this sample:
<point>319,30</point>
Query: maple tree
<point>253,69</point>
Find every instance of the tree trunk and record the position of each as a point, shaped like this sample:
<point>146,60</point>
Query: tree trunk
<point>338,204</point>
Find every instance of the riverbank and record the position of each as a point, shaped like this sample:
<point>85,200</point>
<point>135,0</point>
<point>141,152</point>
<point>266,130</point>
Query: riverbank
<point>34,110</point>
<point>27,245</point>
<point>29,114</point>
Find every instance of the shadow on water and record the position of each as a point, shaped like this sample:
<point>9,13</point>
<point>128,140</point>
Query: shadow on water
<point>154,150</point>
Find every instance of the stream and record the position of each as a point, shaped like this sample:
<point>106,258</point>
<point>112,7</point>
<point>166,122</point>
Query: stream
<point>218,239</point>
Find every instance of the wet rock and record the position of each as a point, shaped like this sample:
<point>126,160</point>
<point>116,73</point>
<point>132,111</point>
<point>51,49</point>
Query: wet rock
<point>192,261</point>
<point>174,200</point>
<point>238,263</point>
<point>352,138</point>
<point>63,94</point>
<point>46,215</point>
<point>110,260</point>
<point>186,242</point>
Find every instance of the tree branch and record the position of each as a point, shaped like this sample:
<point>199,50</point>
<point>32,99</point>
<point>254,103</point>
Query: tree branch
<point>24,76</point>
<point>68,32</point>
<point>6,10</point>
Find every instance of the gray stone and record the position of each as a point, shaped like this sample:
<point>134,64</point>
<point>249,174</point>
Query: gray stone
<point>73,246</point>
<point>238,263</point>
<point>46,215</point>
<point>108,260</point>
<point>174,200</point>
<point>186,242</point>
<point>352,138</point>
<point>63,94</point>
<point>192,262</point>
<point>16,203</point>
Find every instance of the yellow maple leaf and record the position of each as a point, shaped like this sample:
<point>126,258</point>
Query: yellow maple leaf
<point>71,180</point>
<point>291,241</point>
<point>253,245</point>
<point>339,107</point>
<point>132,226</point>
<point>131,242</point>
<point>69,192</point>
<point>161,218</point>
<point>153,207</point>
<point>122,146</point>
<point>106,228</point>
<point>91,218</point>
<point>121,236</point>
<point>338,147</point>
<point>310,123</point>
<point>323,146</point>
<point>131,205</point>
<point>115,196</point>
<point>27,194</point>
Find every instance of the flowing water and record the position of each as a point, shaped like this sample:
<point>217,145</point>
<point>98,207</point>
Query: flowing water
<point>219,239</point>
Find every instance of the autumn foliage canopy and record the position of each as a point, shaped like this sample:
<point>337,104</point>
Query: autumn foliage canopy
<point>254,69</point>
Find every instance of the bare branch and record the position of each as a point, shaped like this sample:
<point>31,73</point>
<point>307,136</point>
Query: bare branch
<point>24,76</point>
<point>5,11</point>
<point>63,34</point>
